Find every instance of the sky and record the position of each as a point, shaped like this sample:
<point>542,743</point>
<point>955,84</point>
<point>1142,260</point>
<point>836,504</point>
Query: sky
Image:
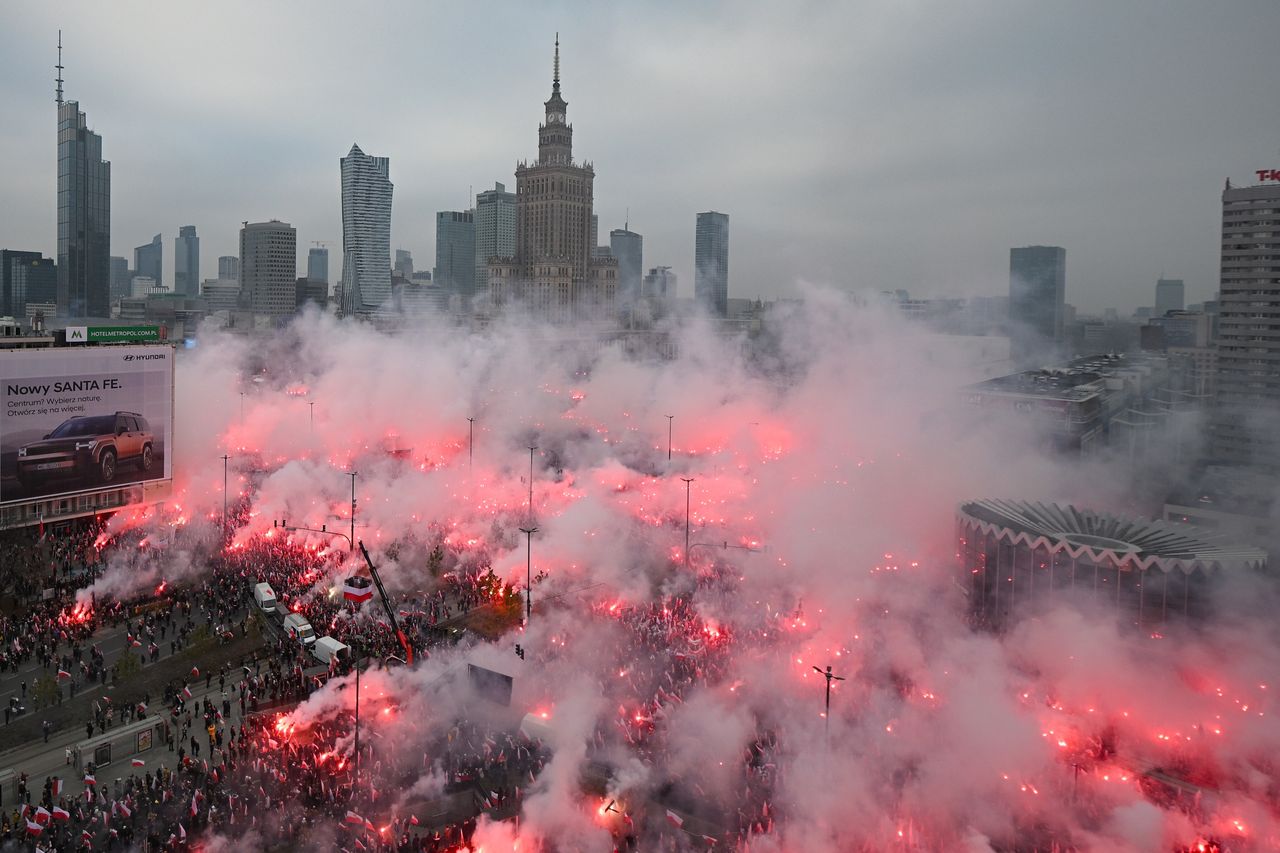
<point>864,145</point>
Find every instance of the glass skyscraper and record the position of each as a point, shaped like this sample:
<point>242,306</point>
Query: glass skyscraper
<point>456,252</point>
<point>366,232</point>
<point>1037,299</point>
<point>84,217</point>
<point>495,221</point>
<point>711,262</point>
<point>186,262</point>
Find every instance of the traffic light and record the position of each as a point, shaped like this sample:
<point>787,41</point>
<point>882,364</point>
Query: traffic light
<point>519,651</point>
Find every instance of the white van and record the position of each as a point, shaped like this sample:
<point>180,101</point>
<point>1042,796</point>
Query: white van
<point>298,628</point>
<point>326,649</point>
<point>265,596</point>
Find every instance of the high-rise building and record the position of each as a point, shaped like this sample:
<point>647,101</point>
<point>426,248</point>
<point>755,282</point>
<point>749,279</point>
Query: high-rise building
<point>495,220</point>
<point>711,262</point>
<point>1037,296</point>
<point>552,270</point>
<point>1170,296</point>
<point>628,247</point>
<point>366,232</point>
<point>404,264</point>
<point>455,252</point>
<point>25,277</point>
<point>186,262</point>
<point>1248,387</point>
<point>318,264</point>
<point>120,277</point>
<point>84,213</point>
<point>228,268</point>
<point>269,267</point>
<point>148,259</point>
<point>659,284</point>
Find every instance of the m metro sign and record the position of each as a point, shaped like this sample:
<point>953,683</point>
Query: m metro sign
<point>1268,174</point>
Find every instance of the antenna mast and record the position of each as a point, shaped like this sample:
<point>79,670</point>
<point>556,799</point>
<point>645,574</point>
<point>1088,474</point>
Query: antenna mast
<point>58,79</point>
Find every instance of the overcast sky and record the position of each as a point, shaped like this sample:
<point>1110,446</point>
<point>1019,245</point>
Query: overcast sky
<point>888,144</point>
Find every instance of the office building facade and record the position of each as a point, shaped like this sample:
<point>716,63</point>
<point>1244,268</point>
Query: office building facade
<point>84,215</point>
<point>495,224</point>
<point>455,268</point>
<point>269,267</point>
<point>1037,299</point>
<point>318,265</point>
<point>366,232</point>
<point>711,263</point>
<point>627,247</point>
<point>1170,296</point>
<point>120,277</point>
<point>404,264</point>
<point>186,262</point>
<point>148,259</point>
<point>26,277</point>
<point>229,268</point>
<point>1247,408</point>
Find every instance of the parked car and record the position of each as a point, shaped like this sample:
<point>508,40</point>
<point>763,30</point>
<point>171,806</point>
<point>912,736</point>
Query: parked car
<point>88,448</point>
<point>265,597</point>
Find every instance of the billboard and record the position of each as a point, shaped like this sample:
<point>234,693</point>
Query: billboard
<point>85,418</point>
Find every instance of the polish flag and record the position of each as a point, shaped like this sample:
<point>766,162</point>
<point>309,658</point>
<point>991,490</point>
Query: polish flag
<point>354,818</point>
<point>186,692</point>
<point>62,673</point>
<point>61,814</point>
<point>86,836</point>
<point>57,786</point>
<point>413,820</point>
<point>368,824</point>
<point>674,819</point>
<point>125,810</point>
<point>138,762</point>
<point>89,780</point>
<point>195,672</point>
<point>34,828</point>
<point>195,808</point>
<point>136,643</point>
<point>358,589</point>
<point>42,815</point>
<point>182,832</point>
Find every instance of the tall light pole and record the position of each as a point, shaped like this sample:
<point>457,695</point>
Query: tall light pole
<point>830,678</point>
<point>356,789</point>
<point>241,408</point>
<point>225,457</point>
<point>352,475</point>
<point>312,404</point>
<point>471,441</point>
<point>688,481</point>
<point>532,448</point>
<point>671,419</point>
<point>528,584</point>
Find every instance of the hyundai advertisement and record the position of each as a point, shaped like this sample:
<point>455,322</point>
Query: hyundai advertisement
<point>84,419</point>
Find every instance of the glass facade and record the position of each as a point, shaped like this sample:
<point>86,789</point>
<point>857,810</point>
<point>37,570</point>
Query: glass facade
<point>84,218</point>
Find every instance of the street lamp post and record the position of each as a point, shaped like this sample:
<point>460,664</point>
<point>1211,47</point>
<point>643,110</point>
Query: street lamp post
<point>671,419</point>
<point>312,404</point>
<point>471,441</point>
<point>688,481</point>
<point>356,789</point>
<point>241,408</point>
<point>352,475</point>
<point>532,448</point>
<point>225,457</point>
<point>528,584</point>
<point>830,678</point>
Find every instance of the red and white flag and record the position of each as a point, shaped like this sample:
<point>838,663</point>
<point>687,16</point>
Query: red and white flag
<point>42,815</point>
<point>125,810</point>
<point>195,672</point>
<point>195,806</point>
<point>674,819</point>
<point>413,820</point>
<point>56,787</point>
<point>62,673</point>
<point>368,824</point>
<point>137,762</point>
<point>354,818</point>
<point>186,692</point>
<point>61,814</point>
<point>358,589</point>
<point>89,780</point>
<point>182,832</point>
<point>34,828</point>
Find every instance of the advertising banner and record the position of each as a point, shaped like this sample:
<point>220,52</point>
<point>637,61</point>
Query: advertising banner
<point>81,419</point>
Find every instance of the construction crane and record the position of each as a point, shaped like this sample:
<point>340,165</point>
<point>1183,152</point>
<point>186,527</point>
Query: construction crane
<point>386,603</point>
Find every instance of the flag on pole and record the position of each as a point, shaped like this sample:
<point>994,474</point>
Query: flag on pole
<point>186,692</point>
<point>354,818</point>
<point>358,589</point>
<point>61,813</point>
<point>125,810</point>
<point>62,673</point>
<point>674,819</point>
<point>137,762</point>
<point>182,832</point>
<point>42,815</point>
<point>413,820</point>
<point>195,672</point>
<point>56,787</point>
<point>33,828</point>
<point>89,780</point>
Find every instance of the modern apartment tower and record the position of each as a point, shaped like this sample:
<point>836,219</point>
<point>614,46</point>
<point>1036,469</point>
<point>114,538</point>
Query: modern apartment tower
<point>148,260</point>
<point>1248,387</point>
<point>186,262</point>
<point>269,267</point>
<point>404,264</point>
<point>318,264</point>
<point>1037,300</point>
<point>628,248</point>
<point>552,270</point>
<point>456,253</point>
<point>228,268</point>
<point>711,263</point>
<point>1170,296</point>
<point>84,213</point>
<point>495,220</point>
<point>366,232</point>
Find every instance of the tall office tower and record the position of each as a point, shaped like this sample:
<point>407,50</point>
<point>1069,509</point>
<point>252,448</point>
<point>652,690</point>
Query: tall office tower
<point>84,213</point>
<point>404,264</point>
<point>1169,295</point>
<point>186,262</point>
<point>366,232</point>
<point>628,247</point>
<point>456,253</point>
<point>148,259</point>
<point>552,270</point>
<point>120,276</point>
<point>269,267</point>
<point>1248,404</point>
<point>711,262</point>
<point>228,268</point>
<point>659,284</point>
<point>495,220</point>
<point>595,232</point>
<point>25,277</point>
<point>318,265</point>
<point>1037,299</point>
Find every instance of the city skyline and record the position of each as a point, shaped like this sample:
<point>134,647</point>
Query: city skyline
<point>831,182</point>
